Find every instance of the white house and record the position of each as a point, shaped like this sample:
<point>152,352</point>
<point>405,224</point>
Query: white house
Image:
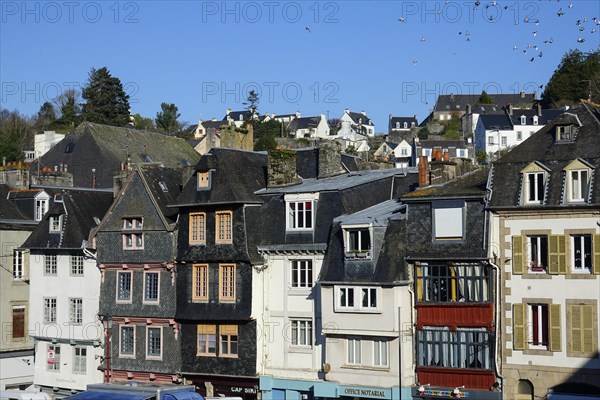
<point>309,127</point>
<point>353,124</point>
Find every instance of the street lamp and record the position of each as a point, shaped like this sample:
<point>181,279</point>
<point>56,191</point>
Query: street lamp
<point>107,324</point>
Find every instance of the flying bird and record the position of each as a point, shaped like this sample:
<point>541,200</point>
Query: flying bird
<point>308,29</point>
<point>580,40</point>
<point>534,33</point>
<point>570,5</point>
<point>560,12</point>
<point>532,58</point>
<point>402,19</point>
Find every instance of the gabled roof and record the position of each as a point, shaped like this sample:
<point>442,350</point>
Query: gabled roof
<point>234,177</point>
<point>505,179</point>
<point>458,102</point>
<point>79,210</point>
<point>496,121</point>
<point>402,120</point>
<point>104,148</point>
<point>17,206</point>
<point>304,123</point>
<point>164,185</point>
<point>356,117</point>
<point>391,145</point>
<point>235,115</point>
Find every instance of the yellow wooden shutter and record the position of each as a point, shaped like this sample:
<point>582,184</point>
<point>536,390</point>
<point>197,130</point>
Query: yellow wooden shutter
<point>419,283</point>
<point>517,253</point>
<point>557,259</point>
<point>576,342</point>
<point>207,329</point>
<point>554,317</point>
<point>587,329</point>
<point>519,326</point>
<point>596,250</point>
<point>26,258</point>
<point>231,330</point>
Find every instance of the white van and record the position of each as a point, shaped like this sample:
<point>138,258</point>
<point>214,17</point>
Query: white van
<point>22,395</point>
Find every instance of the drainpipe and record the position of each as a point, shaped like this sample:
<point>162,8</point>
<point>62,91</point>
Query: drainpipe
<point>498,327</point>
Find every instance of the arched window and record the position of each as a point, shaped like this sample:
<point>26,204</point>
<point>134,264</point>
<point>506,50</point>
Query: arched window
<point>524,390</point>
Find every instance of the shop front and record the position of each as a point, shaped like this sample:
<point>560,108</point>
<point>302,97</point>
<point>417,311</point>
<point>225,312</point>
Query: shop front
<point>436,393</point>
<point>213,386</point>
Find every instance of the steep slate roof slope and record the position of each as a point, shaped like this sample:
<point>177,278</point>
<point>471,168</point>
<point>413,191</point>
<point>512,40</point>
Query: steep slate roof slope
<point>542,147</point>
<point>104,148</point>
<point>449,102</point>
<point>164,185</point>
<point>235,176</point>
<point>356,117</point>
<point>304,123</point>
<point>78,207</point>
<point>17,205</point>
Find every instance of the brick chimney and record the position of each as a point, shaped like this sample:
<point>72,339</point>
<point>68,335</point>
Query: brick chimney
<point>423,171</point>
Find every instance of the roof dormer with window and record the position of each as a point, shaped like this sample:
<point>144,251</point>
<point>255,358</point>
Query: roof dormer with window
<point>204,180</point>
<point>300,210</point>
<point>565,133</point>
<point>534,179</point>
<point>578,182</point>
<point>357,241</point>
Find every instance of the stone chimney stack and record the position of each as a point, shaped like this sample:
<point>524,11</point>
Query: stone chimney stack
<point>282,168</point>
<point>329,161</point>
<point>509,107</point>
<point>539,110</point>
<point>423,171</point>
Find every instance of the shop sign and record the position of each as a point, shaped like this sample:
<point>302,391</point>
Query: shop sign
<point>373,393</point>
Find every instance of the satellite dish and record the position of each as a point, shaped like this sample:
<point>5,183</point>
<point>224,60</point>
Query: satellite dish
<point>326,368</point>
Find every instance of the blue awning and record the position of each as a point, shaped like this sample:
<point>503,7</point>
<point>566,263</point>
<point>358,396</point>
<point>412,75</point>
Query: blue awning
<point>183,396</point>
<point>109,395</point>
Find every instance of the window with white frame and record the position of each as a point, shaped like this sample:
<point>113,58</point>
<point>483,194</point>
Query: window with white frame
<point>302,274</point>
<point>519,136</point>
<point>55,223</point>
<point>133,237</point>
<point>578,185</point>
<point>300,215</point>
<point>301,332</point>
<point>504,141</point>
<point>50,264</point>
<point>380,353</point>
<point>151,287</point>
<point>79,360</point>
<point>537,253</point>
<point>448,217</point>
<point>565,133</point>
<point>535,120</point>
<point>397,125</point>
<point>426,153</point>
<point>490,140</point>
<point>49,310</point>
<point>357,242</point>
<point>124,286</point>
<point>41,207</point>
<point>523,120</point>
<point>18,265</point>
<point>405,125</point>
<point>126,341</point>
<point>461,153</point>
<point>357,298</point>
<point>53,357</point>
<point>76,265</point>
<point>403,151</point>
<point>581,253</point>
<point>353,351</point>
<point>534,186</point>
<point>153,342</point>
<point>76,311</point>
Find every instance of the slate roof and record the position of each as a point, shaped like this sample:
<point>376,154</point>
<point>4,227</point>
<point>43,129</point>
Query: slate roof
<point>235,115</point>
<point>449,102</point>
<point>505,176</point>
<point>212,124</point>
<point>473,184</point>
<point>104,148</point>
<point>78,208</point>
<point>17,206</point>
<point>402,120</point>
<point>164,185</point>
<point>496,121</point>
<point>459,144</point>
<point>356,116</point>
<point>304,123</point>
<point>486,108</point>
<point>235,175</point>
<point>547,116</point>
<point>350,162</point>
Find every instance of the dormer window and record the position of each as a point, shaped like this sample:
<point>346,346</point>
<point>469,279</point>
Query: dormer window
<point>357,242</point>
<point>406,125</point>
<point>203,180</point>
<point>412,124</point>
<point>448,219</point>
<point>55,223</point>
<point>535,119</point>
<point>534,185</point>
<point>300,215</point>
<point>241,117</point>
<point>565,133</point>
<point>523,120</point>
<point>397,125</point>
<point>41,207</point>
<point>578,181</point>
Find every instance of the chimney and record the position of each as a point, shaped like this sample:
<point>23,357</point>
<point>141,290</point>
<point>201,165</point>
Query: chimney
<point>510,109</point>
<point>522,95</point>
<point>363,112</point>
<point>539,109</point>
<point>346,110</point>
<point>468,110</point>
<point>451,96</point>
<point>423,171</point>
<point>229,111</point>
<point>282,168</point>
<point>446,156</point>
<point>329,162</point>
<point>297,114</point>
<point>415,116</point>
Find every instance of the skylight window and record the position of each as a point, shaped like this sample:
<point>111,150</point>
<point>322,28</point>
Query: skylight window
<point>163,186</point>
<point>146,158</point>
<point>69,147</point>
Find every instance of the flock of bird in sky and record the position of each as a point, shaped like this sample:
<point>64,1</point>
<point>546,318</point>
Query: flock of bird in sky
<point>532,49</point>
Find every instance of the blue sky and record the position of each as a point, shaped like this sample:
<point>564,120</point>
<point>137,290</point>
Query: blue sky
<point>309,56</point>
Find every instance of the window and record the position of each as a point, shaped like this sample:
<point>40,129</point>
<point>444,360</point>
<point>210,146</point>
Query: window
<point>537,253</point>
<point>197,228</point>
<point>448,219</point>
<point>203,179</point>
<point>228,337</point>
<point>227,282</point>
<point>207,340</point>
<point>397,125</point>
<point>76,311</point>
<point>523,120</point>
<point>405,125</point>
<point>53,358</point>
<point>300,215</point>
<point>357,298</point>
<point>153,342</point>
<point>463,282</point>
<point>534,184</point>
<point>519,136</point>
<point>353,353</point>
<point>536,326</point>
<point>461,153</point>
<point>583,338</point>
<point>133,240</point>
<point>224,228</point>
<point>404,151</point>
<point>565,133</point>
<point>55,223</point>
<point>426,153</point>
<point>200,282</point>
<point>163,186</point>
<point>504,141</point>
<point>581,253</point>
<point>151,287</point>
<point>490,140</point>
<point>127,341</point>
<point>301,333</point>
<point>41,207</point>
<point>535,119</point>
<point>49,264</point>
<point>18,322</point>
<point>462,348</point>
<point>77,265</point>
<point>302,274</point>
<point>49,310</point>
<point>578,185</point>
<point>124,286</point>
<point>18,269</point>
<point>358,242</point>
<point>380,353</point>
<point>79,360</point>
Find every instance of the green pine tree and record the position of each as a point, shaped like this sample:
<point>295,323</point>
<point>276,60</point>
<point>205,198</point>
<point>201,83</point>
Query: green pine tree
<point>106,101</point>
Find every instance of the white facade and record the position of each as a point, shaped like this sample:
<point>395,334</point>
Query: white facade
<point>43,142</point>
<point>494,140</point>
<point>64,300</point>
<point>349,127</point>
